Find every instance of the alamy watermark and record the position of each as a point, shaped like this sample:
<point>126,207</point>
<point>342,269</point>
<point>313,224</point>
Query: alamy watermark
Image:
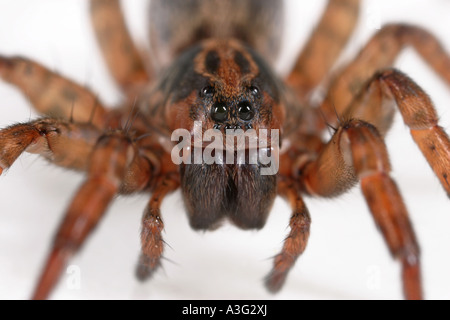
<point>73,280</point>
<point>236,146</point>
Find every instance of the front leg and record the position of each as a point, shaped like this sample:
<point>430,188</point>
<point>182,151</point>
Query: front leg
<point>380,53</point>
<point>63,143</point>
<point>375,104</point>
<point>357,153</point>
<point>112,158</point>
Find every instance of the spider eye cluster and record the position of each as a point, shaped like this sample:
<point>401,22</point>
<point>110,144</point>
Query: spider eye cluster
<point>220,110</point>
<point>245,111</point>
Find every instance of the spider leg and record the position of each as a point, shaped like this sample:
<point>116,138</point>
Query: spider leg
<point>357,152</point>
<point>296,241</point>
<point>378,54</point>
<point>112,156</point>
<point>50,93</point>
<point>119,51</point>
<point>417,111</point>
<point>152,225</point>
<point>65,144</point>
<point>324,46</point>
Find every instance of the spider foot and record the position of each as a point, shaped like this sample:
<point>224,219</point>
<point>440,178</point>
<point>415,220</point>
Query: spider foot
<point>275,280</point>
<point>146,267</point>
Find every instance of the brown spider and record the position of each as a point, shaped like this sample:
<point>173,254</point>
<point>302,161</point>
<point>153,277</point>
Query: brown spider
<point>296,175</point>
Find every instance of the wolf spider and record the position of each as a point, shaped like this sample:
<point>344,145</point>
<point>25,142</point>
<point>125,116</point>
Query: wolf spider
<point>358,107</point>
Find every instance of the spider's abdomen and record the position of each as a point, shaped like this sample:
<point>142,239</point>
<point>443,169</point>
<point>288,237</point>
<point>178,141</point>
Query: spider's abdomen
<point>179,24</point>
<point>216,192</point>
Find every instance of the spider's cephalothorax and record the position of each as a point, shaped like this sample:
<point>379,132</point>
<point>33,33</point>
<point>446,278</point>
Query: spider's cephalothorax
<point>210,72</point>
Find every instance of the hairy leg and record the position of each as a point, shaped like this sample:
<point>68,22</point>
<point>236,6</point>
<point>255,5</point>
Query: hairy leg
<point>324,46</point>
<point>152,225</point>
<point>111,158</point>
<point>295,242</point>
<point>357,152</point>
<point>375,105</point>
<point>65,144</point>
<point>378,54</point>
<point>118,49</point>
<point>52,94</point>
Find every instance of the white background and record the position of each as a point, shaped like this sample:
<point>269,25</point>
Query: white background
<point>346,257</point>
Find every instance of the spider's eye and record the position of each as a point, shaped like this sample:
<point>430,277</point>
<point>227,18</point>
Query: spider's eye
<point>219,112</point>
<point>254,91</point>
<point>206,91</point>
<point>245,111</point>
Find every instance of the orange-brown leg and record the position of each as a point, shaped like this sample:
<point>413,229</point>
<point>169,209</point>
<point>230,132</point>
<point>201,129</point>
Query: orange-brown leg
<point>65,144</point>
<point>374,105</point>
<point>324,46</point>
<point>152,242</point>
<point>378,54</point>
<point>52,94</point>
<point>112,157</point>
<point>296,241</point>
<point>357,152</point>
<point>119,51</point>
